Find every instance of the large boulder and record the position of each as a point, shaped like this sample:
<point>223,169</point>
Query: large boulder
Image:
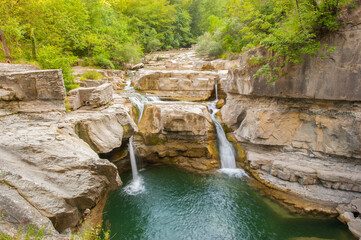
<point>32,85</point>
<point>178,134</point>
<point>52,168</point>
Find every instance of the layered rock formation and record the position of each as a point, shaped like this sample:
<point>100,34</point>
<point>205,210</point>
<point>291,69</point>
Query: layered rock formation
<point>302,133</point>
<point>178,134</point>
<point>180,85</point>
<point>115,77</point>
<point>92,96</point>
<point>50,172</point>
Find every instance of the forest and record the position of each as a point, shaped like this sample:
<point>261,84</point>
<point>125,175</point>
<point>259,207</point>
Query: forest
<point>113,33</point>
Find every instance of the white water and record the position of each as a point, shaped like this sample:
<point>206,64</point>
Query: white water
<point>216,88</point>
<point>136,186</point>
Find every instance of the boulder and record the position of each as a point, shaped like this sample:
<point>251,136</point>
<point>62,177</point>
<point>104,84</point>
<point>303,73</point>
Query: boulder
<point>95,96</point>
<point>105,132</point>
<point>52,169</point>
<point>32,85</point>
<point>350,214</point>
<point>178,134</point>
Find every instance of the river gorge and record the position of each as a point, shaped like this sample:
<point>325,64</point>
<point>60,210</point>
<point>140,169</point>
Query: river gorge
<point>186,148</point>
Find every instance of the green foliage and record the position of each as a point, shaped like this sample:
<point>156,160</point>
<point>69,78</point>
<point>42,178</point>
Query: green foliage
<point>92,75</point>
<point>102,61</point>
<point>289,29</point>
<point>208,46</point>
<point>128,53</point>
<point>51,57</point>
<point>254,61</point>
<point>92,233</point>
<point>155,140</point>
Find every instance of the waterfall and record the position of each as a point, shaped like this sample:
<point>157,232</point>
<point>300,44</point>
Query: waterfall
<point>138,100</point>
<point>227,153</point>
<point>216,87</point>
<point>226,150</point>
<point>136,186</point>
<point>133,161</point>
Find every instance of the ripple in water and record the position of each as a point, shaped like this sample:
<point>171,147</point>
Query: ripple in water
<point>233,172</point>
<point>135,187</point>
<point>180,205</point>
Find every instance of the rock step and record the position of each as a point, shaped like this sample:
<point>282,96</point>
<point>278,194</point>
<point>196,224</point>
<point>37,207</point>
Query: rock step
<point>306,171</point>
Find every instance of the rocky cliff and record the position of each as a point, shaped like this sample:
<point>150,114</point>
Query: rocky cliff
<point>302,133</point>
<point>50,172</point>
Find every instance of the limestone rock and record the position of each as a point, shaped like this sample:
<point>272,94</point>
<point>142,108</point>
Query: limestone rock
<point>221,64</point>
<point>54,170</point>
<point>302,133</point>
<point>116,77</point>
<point>33,85</point>
<point>105,132</point>
<point>334,77</point>
<point>355,227</point>
<point>17,213</point>
<point>179,134</point>
<point>95,96</point>
<point>183,85</point>
<point>9,67</point>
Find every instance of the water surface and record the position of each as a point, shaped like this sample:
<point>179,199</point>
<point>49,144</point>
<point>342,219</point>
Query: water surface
<point>182,205</point>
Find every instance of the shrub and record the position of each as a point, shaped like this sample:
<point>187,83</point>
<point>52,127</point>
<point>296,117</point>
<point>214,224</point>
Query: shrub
<point>103,62</point>
<point>207,46</point>
<point>92,75</point>
<point>51,57</point>
<point>128,53</point>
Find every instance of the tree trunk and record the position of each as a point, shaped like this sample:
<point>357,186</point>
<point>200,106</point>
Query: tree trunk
<point>5,46</point>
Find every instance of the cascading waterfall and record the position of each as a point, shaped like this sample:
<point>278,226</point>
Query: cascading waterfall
<point>136,186</point>
<point>216,87</point>
<point>226,150</point>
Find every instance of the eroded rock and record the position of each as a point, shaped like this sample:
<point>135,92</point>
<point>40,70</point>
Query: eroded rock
<point>179,134</point>
<point>95,96</point>
<point>181,85</point>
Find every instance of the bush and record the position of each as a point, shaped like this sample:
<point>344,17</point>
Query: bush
<point>128,53</point>
<point>103,62</point>
<point>92,75</point>
<point>207,46</point>
<point>51,57</point>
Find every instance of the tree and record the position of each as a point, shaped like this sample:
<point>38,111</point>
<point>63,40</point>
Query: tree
<point>5,46</point>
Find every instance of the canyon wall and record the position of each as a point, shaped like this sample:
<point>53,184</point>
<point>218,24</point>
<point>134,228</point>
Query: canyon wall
<point>302,133</point>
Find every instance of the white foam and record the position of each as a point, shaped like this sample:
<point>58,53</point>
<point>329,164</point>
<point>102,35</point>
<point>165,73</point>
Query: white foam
<point>135,187</point>
<point>233,172</point>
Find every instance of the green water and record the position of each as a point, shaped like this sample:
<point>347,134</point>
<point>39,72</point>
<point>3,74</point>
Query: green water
<point>182,205</point>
